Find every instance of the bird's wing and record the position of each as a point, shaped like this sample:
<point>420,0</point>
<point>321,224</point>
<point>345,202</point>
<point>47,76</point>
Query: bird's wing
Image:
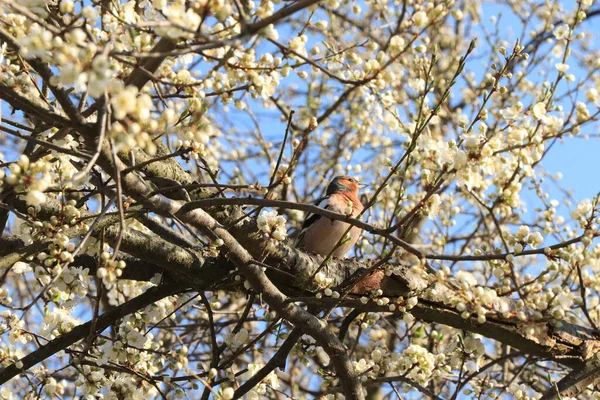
<point>311,218</point>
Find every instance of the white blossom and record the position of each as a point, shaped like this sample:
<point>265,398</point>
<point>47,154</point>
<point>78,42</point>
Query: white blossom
<point>21,268</point>
<point>273,225</point>
<point>420,18</point>
<point>562,32</point>
<point>539,111</point>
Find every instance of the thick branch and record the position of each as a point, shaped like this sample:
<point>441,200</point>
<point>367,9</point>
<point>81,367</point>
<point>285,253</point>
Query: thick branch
<point>12,249</point>
<point>577,381</point>
<point>19,102</point>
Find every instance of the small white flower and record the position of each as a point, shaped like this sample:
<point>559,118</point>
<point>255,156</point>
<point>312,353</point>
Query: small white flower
<point>417,363</point>
<point>376,355</point>
<point>460,159</point>
<point>457,14</point>
<point>20,267</point>
<point>512,113</point>
<point>488,296</point>
<point>420,18</point>
<point>434,206</point>
<point>397,43</point>
<point>472,142</point>
<point>228,393</point>
<point>50,387</point>
<point>124,102</point>
<point>561,31</point>
<point>564,300</point>
<point>535,239</point>
<point>583,113</point>
<point>582,211</point>
<point>417,84</point>
<point>562,67</point>
<point>35,198</point>
<point>2,52</point>
<point>517,134</point>
<point>539,111</point>
<point>592,95</point>
<point>411,302</point>
<point>321,24</point>
<point>522,232</point>
<point>279,235</point>
<point>466,278</point>
<point>273,225</point>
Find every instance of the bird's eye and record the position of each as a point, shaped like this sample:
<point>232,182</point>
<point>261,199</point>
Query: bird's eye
<point>351,180</point>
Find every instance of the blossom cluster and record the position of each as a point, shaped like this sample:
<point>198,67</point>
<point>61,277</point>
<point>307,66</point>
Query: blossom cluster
<point>272,225</point>
<point>31,178</point>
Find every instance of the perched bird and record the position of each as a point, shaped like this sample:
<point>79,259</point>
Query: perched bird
<point>320,234</point>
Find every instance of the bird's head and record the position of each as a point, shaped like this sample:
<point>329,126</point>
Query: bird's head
<point>342,184</point>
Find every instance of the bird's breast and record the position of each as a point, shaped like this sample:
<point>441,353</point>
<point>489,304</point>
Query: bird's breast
<point>324,234</point>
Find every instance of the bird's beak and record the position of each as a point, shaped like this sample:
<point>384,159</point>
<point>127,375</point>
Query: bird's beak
<point>362,186</point>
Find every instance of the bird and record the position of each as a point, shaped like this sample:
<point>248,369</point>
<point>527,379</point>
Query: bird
<point>320,234</point>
